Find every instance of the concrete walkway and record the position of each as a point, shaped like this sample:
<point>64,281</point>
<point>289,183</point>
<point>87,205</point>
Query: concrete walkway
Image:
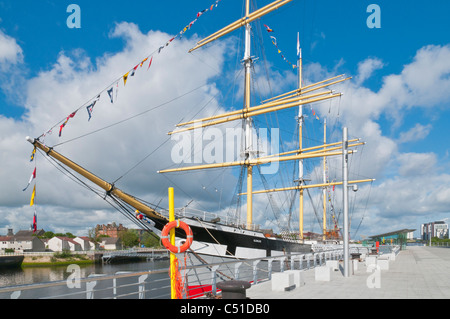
<point>417,273</point>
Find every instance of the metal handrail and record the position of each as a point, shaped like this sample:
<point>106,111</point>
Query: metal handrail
<point>156,283</point>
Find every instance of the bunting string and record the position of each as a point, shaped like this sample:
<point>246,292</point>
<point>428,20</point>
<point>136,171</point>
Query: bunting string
<point>113,88</point>
<point>275,43</point>
<point>33,194</point>
<point>299,55</point>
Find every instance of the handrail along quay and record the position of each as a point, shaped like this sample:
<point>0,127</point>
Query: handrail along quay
<point>200,280</point>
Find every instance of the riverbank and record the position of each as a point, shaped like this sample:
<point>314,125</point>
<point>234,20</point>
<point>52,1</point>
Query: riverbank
<point>44,261</point>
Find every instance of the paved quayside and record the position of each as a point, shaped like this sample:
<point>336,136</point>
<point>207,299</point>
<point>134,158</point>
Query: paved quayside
<point>417,272</point>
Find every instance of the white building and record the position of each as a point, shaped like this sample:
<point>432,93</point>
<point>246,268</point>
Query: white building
<point>21,244</point>
<point>59,243</point>
<point>437,229</point>
<point>111,243</point>
<point>85,242</point>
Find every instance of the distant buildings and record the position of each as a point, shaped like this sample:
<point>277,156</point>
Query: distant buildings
<point>437,229</point>
<point>22,241</point>
<point>29,241</point>
<point>110,230</point>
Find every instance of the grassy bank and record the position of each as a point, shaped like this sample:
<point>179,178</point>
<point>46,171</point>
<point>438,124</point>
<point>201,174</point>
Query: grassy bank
<point>56,260</point>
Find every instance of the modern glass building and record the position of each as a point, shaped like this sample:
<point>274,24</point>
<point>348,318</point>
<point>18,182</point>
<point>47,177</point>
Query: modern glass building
<point>398,237</point>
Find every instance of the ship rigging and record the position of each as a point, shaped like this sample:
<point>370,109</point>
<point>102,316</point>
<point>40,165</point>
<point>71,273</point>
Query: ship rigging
<point>213,236</point>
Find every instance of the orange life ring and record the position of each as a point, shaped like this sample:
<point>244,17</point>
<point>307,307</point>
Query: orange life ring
<point>165,238</point>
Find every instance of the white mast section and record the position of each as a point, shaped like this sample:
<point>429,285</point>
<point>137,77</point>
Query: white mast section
<point>248,145</point>
<point>300,136</point>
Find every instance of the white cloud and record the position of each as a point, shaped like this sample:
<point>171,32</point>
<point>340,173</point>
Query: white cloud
<point>416,133</point>
<point>366,68</point>
<point>69,84</point>
<point>74,78</point>
<point>410,185</point>
<point>10,52</point>
<point>416,164</point>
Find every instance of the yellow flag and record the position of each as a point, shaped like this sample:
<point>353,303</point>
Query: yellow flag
<point>32,196</point>
<point>125,77</point>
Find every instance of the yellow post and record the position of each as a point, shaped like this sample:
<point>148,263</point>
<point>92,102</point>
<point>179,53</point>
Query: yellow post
<point>173,258</point>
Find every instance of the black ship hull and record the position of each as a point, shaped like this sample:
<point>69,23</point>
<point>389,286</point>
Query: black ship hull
<point>11,261</point>
<point>227,241</point>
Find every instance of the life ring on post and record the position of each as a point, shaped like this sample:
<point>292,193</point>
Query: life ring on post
<point>165,237</point>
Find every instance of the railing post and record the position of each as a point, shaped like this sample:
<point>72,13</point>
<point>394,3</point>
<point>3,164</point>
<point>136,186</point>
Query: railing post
<point>281,264</point>
<point>141,282</point>
<point>90,288</point>
<point>255,271</point>
<point>213,279</point>
<point>236,270</point>
<point>269,267</point>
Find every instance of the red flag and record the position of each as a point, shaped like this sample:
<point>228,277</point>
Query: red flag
<point>33,176</point>
<point>65,122</point>
<point>268,29</point>
<point>34,222</point>
<point>150,63</point>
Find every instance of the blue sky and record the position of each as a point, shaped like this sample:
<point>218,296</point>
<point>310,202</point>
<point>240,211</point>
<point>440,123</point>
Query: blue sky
<point>335,39</point>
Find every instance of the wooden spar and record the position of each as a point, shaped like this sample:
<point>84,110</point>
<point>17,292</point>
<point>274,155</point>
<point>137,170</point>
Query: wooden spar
<point>300,187</point>
<point>309,150</point>
<point>236,23</point>
<point>278,101</point>
<point>250,17</point>
<point>109,188</point>
<point>299,90</point>
<point>303,91</point>
<point>245,114</point>
<point>255,108</point>
<point>253,162</point>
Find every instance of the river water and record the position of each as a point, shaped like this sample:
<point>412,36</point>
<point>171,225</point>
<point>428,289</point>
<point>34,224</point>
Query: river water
<point>32,275</point>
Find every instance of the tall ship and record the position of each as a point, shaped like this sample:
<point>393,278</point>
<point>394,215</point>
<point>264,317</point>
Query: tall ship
<point>236,236</point>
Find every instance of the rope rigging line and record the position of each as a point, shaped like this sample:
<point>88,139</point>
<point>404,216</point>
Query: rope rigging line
<point>133,116</point>
<point>116,203</point>
<point>110,88</point>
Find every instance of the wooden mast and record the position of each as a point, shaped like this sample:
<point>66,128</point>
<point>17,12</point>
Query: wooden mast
<point>247,111</point>
<point>290,99</point>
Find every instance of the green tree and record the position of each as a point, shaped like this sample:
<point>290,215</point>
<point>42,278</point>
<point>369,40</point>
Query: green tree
<point>49,234</point>
<point>150,240</point>
<point>130,238</point>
